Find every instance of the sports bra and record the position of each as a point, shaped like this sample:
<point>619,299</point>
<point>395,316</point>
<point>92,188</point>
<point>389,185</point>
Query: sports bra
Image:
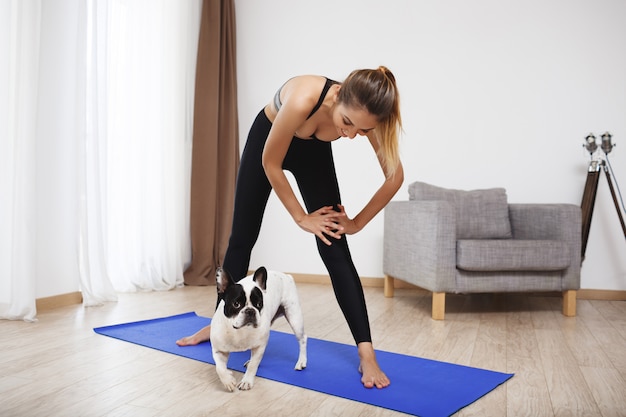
<point>327,86</point>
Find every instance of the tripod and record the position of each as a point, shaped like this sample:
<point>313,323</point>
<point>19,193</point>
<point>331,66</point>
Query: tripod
<point>589,198</point>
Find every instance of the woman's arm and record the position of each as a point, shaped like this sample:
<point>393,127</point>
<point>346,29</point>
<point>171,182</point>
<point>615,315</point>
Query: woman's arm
<point>294,110</point>
<point>380,198</point>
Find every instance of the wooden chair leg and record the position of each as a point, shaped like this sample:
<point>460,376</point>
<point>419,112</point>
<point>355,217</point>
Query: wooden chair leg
<point>388,286</point>
<point>439,305</point>
<point>569,303</point>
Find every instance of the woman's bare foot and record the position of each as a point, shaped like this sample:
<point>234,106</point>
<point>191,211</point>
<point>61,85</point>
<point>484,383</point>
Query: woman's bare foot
<point>372,375</point>
<point>202,335</point>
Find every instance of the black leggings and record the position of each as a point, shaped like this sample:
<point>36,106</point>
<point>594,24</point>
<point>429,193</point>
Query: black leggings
<point>311,163</point>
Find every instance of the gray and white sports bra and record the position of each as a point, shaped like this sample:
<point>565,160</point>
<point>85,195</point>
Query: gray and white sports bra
<point>329,83</point>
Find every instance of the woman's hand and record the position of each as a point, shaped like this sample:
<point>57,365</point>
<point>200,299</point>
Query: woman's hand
<point>348,225</point>
<point>324,222</point>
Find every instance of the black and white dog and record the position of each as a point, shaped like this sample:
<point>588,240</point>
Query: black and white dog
<point>244,316</point>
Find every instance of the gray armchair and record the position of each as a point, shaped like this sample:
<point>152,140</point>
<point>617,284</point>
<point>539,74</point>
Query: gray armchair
<point>455,241</point>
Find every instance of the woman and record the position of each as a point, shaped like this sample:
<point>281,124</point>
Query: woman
<point>294,132</point>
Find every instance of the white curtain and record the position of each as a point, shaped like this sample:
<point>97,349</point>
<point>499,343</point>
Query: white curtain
<point>92,173</point>
<point>139,89</point>
<point>19,48</point>
<point>134,109</point>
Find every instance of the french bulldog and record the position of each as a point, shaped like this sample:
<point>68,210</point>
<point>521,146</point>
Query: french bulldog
<point>244,316</point>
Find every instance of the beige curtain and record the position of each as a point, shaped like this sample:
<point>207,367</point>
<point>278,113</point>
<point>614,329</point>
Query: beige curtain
<point>215,157</point>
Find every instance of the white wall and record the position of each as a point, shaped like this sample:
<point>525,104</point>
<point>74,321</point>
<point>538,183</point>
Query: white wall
<point>493,94</point>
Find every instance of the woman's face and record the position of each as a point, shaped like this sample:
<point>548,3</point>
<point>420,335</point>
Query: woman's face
<point>351,121</point>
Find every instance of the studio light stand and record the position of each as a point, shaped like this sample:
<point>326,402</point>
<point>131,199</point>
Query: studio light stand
<point>591,185</point>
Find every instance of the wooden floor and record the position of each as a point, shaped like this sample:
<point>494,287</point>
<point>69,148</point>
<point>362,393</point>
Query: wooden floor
<point>563,366</point>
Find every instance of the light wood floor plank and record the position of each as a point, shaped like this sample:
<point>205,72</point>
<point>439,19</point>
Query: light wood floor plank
<point>527,392</point>
<point>611,343</point>
<point>608,389</point>
<point>489,352</point>
<point>564,375</point>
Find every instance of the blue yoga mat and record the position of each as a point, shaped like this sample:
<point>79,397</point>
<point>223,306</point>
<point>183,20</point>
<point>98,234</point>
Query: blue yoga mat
<point>420,387</point>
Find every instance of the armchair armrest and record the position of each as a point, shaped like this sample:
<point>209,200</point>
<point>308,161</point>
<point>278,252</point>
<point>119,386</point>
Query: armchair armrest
<point>419,244</point>
<point>551,222</point>
<point>545,221</point>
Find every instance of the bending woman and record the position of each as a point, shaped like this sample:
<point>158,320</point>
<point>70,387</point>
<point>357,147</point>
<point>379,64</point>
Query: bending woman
<point>294,132</point>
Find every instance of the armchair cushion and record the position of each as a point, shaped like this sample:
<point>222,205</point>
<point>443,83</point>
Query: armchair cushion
<point>480,214</point>
<point>512,255</point>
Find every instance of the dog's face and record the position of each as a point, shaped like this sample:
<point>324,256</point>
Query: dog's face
<point>243,303</point>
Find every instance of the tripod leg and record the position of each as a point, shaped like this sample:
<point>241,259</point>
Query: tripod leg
<point>589,199</point>
<point>619,213</point>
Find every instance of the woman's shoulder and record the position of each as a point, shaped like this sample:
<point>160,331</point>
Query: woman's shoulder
<point>302,90</point>
<point>305,83</point>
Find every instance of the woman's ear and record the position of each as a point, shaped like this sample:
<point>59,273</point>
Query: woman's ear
<point>336,93</point>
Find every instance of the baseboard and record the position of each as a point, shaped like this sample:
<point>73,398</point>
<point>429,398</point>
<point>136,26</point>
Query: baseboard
<point>62,300</point>
<point>325,279</point>
<point>365,281</point>
<point>606,295</point>
<point>56,301</point>
<point>582,294</point>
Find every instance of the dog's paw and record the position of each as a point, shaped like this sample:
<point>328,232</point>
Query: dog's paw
<point>246,384</point>
<point>229,382</point>
<point>300,365</point>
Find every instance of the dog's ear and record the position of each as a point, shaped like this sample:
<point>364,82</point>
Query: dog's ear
<point>223,280</point>
<point>260,277</point>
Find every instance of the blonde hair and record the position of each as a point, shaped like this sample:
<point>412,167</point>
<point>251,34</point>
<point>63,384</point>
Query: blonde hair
<point>375,90</point>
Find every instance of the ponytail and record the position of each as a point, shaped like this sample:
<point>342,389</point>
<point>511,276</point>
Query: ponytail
<point>376,91</point>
